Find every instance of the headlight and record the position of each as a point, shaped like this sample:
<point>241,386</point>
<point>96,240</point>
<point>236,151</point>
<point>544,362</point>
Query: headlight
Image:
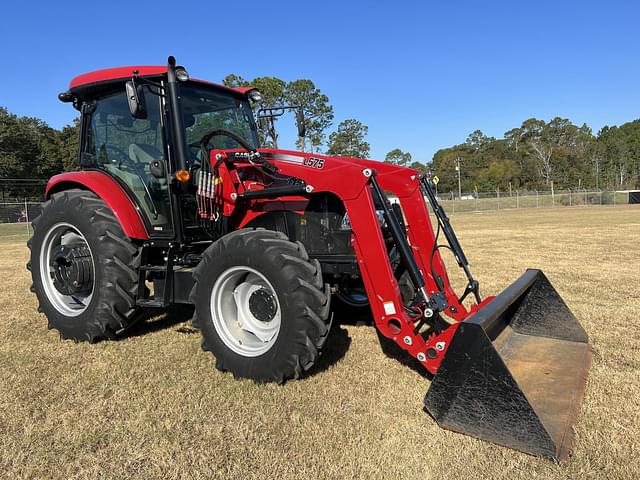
<point>255,96</point>
<point>181,74</point>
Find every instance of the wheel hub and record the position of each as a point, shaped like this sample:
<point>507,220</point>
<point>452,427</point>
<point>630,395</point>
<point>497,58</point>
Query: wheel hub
<point>262,305</point>
<point>67,269</point>
<point>72,269</point>
<point>245,311</point>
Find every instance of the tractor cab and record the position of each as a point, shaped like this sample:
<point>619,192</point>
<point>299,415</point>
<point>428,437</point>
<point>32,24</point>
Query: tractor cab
<point>133,131</point>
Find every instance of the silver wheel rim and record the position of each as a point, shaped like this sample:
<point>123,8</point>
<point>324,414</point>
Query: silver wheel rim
<point>232,315</point>
<point>67,305</point>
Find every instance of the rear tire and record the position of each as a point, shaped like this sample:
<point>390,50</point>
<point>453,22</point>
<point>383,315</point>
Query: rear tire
<point>110,264</point>
<point>278,336</point>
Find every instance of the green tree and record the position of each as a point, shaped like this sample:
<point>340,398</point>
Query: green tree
<point>63,151</point>
<point>30,149</point>
<point>418,166</point>
<point>514,138</point>
<point>398,157</point>
<point>476,140</point>
<point>617,155</point>
<point>69,139</point>
<point>620,150</point>
<point>318,112</point>
<point>272,90</point>
<point>349,140</point>
<point>300,93</point>
<point>22,142</point>
<point>234,81</point>
<point>498,175</point>
<point>444,167</point>
<point>540,146</point>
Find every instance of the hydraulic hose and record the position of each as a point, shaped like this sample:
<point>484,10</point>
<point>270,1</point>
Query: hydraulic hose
<point>400,239</point>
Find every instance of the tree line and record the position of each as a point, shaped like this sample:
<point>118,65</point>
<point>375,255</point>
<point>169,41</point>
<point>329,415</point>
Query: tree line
<point>538,155</point>
<point>29,148</point>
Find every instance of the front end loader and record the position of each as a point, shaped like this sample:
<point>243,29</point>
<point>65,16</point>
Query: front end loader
<point>176,202</point>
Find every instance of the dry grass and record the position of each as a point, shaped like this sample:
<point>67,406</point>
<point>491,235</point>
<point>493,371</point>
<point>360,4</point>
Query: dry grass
<point>152,406</point>
<point>14,232</point>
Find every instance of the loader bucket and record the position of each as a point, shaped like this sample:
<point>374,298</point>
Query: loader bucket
<point>515,371</point>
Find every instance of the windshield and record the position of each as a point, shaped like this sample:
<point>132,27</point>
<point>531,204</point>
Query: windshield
<point>205,108</point>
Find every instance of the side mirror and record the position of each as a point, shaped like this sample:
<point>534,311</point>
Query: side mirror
<point>158,168</point>
<point>302,128</point>
<point>135,97</point>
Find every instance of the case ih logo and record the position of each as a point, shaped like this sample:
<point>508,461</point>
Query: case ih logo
<point>244,155</point>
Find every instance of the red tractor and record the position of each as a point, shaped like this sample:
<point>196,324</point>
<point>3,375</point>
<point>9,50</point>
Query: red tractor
<point>176,203</point>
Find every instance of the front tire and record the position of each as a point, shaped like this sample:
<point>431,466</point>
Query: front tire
<point>84,268</point>
<point>261,305</point>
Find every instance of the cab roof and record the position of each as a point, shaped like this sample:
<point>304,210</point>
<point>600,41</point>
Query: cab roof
<point>92,79</point>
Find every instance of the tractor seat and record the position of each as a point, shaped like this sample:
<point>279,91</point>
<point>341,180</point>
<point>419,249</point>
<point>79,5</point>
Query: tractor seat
<point>144,185</point>
<point>143,154</point>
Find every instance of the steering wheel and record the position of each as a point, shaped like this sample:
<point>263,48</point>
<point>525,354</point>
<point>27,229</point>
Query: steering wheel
<point>206,138</point>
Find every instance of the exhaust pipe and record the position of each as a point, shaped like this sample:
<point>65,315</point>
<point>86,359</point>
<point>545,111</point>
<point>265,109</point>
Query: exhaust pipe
<point>515,371</point>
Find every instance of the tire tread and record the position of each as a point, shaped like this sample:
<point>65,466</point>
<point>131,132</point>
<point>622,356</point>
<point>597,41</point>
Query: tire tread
<point>305,289</point>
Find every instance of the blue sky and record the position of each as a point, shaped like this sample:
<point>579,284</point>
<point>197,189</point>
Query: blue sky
<point>421,75</point>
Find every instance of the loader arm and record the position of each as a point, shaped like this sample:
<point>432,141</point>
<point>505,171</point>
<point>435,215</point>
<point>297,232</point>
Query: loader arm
<point>356,182</point>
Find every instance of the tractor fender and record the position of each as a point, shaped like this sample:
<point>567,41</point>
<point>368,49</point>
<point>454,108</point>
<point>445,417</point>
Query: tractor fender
<point>109,191</point>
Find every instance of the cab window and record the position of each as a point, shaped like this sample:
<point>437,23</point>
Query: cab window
<point>124,147</point>
<point>205,108</point>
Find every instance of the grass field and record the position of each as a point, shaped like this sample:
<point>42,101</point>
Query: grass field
<point>152,405</point>
<point>14,232</point>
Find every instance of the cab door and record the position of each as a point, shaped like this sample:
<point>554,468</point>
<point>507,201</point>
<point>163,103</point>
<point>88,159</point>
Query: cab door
<point>125,147</point>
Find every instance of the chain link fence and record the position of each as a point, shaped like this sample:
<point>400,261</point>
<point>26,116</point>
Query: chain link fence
<point>15,190</point>
<point>484,201</point>
<point>16,218</point>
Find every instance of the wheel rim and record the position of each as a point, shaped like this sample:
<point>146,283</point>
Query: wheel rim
<point>62,242</point>
<point>245,311</point>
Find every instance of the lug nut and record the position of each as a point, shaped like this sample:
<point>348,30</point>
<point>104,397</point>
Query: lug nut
<point>407,340</point>
<point>421,357</point>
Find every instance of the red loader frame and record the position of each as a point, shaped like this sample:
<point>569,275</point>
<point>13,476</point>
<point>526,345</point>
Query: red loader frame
<point>351,180</point>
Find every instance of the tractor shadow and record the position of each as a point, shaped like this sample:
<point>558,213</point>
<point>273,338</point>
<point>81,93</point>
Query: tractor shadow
<point>154,320</point>
<point>392,350</point>
<point>150,321</point>
<point>335,348</point>
<point>362,316</point>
